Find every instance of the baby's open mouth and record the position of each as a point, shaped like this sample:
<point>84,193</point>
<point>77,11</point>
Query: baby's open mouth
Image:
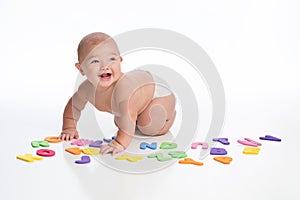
<point>105,75</point>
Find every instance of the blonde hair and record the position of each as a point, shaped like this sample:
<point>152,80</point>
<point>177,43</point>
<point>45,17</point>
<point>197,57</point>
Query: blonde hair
<point>89,42</point>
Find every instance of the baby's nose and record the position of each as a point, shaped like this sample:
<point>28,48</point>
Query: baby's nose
<point>103,68</point>
<point>105,65</point>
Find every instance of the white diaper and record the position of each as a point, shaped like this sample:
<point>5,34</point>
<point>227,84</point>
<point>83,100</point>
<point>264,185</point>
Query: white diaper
<point>161,87</point>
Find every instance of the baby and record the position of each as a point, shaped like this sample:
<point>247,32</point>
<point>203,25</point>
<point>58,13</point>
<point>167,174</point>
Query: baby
<point>134,98</point>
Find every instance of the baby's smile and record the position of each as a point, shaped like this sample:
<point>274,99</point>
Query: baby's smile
<point>105,76</point>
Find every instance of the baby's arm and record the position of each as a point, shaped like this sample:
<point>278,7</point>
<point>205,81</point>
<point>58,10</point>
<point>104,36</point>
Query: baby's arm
<point>120,143</point>
<point>131,94</point>
<point>72,114</point>
<point>126,123</point>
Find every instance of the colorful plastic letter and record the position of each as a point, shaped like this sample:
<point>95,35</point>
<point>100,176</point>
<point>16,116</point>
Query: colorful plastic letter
<point>223,159</point>
<point>160,157</point>
<point>83,160</point>
<point>177,154</point>
<point>251,150</point>
<point>145,145</point>
<point>96,144</point>
<point>129,158</point>
<point>81,142</point>
<point>74,150</point>
<point>45,152</point>
<point>40,143</point>
<point>168,145</point>
<point>108,140</point>
<point>196,144</point>
<point>190,161</point>
<point>222,140</point>
<point>91,151</point>
<point>52,139</point>
<point>270,138</point>
<point>218,151</point>
<point>249,142</point>
<point>29,157</point>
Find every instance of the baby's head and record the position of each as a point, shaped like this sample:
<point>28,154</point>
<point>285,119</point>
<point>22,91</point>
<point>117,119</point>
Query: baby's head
<point>92,40</point>
<point>99,59</point>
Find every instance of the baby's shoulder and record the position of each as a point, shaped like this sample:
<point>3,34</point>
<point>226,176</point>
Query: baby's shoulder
<point>131,82</point>
<point>137,76</point>
<point>138,72</point>
<point>85,85</point>
<point>85,88</point>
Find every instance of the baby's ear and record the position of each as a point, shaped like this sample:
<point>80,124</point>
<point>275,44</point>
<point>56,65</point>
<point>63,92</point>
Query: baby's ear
<point>121,59</point>
<point>78,66</point>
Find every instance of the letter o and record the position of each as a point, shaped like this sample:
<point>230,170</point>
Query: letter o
<point>45,152</point>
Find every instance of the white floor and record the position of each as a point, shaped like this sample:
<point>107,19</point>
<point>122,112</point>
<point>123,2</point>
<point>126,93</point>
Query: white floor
<point>255,47</point>
<point>272,174</point>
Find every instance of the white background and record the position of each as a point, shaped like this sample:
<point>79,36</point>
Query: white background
<point>255,46</point>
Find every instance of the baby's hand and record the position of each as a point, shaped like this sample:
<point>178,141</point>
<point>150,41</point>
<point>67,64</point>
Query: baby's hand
<point>69,134</point>
<point>113,147</point>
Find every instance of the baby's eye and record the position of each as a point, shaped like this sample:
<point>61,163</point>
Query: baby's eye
<point>112,58</point>
<point>95,61</point>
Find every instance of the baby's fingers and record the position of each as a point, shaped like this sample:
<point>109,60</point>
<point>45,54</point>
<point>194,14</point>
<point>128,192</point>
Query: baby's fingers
<point>62,137</point>
<point>65,137</point>
<point>106,149</point>
<point>69,136</point>
<point>115,151</point>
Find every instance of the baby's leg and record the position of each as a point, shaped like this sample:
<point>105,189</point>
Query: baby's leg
<point>158,117</point>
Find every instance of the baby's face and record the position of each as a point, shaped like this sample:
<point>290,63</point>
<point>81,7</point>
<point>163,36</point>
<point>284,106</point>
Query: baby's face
<point>102,65</point>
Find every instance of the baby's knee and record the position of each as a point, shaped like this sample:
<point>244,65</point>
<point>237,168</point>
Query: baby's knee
<point>154,121</point>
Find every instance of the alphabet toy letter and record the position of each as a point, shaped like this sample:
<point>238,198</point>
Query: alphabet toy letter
<point>251,150</point>
<point>74,150</point>
<point>45,152</point>
<point>91,151</point>
<point>270,138</point>
<point>160,157</point>
<point>145,145</point>
<point>168,145</point>
<point>52,139</point>
<point>83,160</point>
<point>81,142</point>
<point>40,143</point>
<point>190,161</point>
<point>249,142</point>
<point>129,158</point>
<point>196,144</point>
<point>96,144</point>
<point>223,159</point>
<point>222,140</point>
<point>218,151</point>
<point>177,154</point>
<point>29,157</point>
